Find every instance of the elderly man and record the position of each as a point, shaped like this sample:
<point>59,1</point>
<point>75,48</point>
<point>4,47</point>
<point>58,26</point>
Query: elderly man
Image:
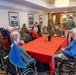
<point>15,37</point>
<point>27,59</point>
<point>10,29</point>
<point>70,50</point>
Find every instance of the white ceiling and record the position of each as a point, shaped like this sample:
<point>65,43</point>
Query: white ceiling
<point>53,1</point>
<point>49,1</point>
<point>44,5</point>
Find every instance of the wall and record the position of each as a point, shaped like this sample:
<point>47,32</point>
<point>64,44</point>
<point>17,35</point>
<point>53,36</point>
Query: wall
<point>4,22</point>
<point>57,20</point>
<point>23,11</point>
<point>67,17</point>
<point>23,18</point>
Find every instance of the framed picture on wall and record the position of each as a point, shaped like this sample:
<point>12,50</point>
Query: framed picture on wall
<point>30,20</point>
<point>14,19</point>
<point>64,19</point>
<point>40,19</point>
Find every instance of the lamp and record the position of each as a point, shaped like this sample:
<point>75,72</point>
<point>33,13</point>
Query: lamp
<point>61,3</point>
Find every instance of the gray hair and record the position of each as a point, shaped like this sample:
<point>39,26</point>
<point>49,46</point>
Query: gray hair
<point>14,35</point>
<point>74,31</point>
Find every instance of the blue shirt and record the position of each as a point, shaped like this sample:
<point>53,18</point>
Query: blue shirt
<point>70,50</point>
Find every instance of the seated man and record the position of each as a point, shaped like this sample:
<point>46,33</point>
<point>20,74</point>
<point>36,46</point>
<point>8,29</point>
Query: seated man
<point>70,50</point>
<point>11,29</point>
<point>24,34</point>
<point>15,37</point>
<point>35,27</point>
<point>44,30</point>
<point>27,59</point>
<point>57,31</point>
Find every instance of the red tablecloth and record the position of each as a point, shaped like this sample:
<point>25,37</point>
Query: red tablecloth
<point>43,51</point>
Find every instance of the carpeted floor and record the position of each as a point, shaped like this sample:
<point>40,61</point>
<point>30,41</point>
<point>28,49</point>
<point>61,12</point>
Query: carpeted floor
<point>47,73</point>
<point>43,73</point>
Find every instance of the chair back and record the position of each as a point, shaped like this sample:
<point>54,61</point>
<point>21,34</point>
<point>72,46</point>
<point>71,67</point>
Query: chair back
<point>5,42</point>
<point>15,57</point>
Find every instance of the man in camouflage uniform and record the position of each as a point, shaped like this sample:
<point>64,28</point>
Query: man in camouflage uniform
<point>24,33</point>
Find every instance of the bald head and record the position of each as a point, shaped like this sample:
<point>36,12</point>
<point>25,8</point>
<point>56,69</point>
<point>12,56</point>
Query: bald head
<point>10,29</point>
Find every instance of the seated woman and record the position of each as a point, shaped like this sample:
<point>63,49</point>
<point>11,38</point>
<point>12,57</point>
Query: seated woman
<point>57,31</point>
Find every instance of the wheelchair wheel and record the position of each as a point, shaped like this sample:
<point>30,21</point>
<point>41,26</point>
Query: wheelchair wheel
<point>67,67</point>
<point>28,71</point>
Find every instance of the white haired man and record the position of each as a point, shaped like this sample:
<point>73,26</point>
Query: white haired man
<point>70,50</point>
<point>10,28</point>
<point>15,37</point>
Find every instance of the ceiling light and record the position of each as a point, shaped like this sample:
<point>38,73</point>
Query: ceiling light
<point>71,15</point>
<point>61,3</point>
<point>64,16</point>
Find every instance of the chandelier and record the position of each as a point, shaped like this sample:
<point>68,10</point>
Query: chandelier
<point>61,3</point>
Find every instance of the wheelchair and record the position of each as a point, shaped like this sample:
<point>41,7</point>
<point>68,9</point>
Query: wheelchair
<point>10,68</point>
<point>66,66</point>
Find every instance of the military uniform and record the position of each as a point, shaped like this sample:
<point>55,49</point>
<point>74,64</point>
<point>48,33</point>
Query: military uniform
<point>58,32</point>
<point>24,35</point>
